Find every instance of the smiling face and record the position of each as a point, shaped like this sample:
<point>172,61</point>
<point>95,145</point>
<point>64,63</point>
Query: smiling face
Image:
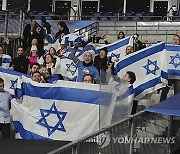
<point>36,77</point>
<point>48,59</point>
<point>121,35</point>
<point>88,57</point>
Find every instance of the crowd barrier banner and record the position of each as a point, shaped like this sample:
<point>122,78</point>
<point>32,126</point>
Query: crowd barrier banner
<point>149,66</point>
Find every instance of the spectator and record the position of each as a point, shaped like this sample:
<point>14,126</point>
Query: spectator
<point>4,59</point>
<point>121,35</point>
<point>86,66</point>
<point>101,60</point>
<point>39,47</point>
<point>5,99</point>
<point>46,26</point>
<point>34,68</point>
<point>49,63</point>
<point>129,77</point>
<point>176,40</point>
<point>101,63</point>
<point>88,78</point>
<point>36,76</point>
<point>129,50</point>
<point>20,63</point>
<point>52,51</point>
<point>28,31</point>
<point>47,77</point>
<point>63,30</point>
<point>33,58</point>
<point>38,34</point>
<point>176,82</point>
<point>7,46</point>
<point>137,44</point>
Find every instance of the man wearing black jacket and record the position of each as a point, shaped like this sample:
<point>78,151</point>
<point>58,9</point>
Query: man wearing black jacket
<point>20,63</point>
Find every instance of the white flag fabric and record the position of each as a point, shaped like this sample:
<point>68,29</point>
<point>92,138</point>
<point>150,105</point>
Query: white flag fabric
<point>10,79</point>
<point>149,66</point>
<point>116,101</point>
<point>60,111</point>
<point>173,59</point>
<point>67,68</point>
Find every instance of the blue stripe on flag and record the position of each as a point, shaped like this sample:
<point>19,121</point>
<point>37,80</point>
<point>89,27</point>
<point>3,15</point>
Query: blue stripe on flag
<point>173,48</point>
<point>59,93</point>
<point>164,74</point>
<point>8,71</point>
<point>116,45</point>
<point>27,134</point>
<point>173,72</point>
<point>128,61</point>
<point>147,85</point>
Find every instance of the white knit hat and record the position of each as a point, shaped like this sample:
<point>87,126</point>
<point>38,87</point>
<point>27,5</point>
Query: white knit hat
<point>34,47</point>
<point>91,52</point>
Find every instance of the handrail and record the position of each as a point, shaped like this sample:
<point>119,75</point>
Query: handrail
<point>102,130</point>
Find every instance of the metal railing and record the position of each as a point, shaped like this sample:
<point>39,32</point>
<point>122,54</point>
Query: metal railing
<point>137,134</point>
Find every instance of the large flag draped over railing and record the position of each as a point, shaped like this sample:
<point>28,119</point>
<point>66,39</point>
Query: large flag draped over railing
<point>150,67</point>
<point>173,59</point>
<point>60,111</point>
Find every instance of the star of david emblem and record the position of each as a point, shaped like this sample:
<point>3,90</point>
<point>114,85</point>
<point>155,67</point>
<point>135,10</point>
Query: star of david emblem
<point>173,58</point>
<point>71,68</point>
<point>13,82</point>
<point>115,55</point>
<point>52,111</point>
<point>151,67</point>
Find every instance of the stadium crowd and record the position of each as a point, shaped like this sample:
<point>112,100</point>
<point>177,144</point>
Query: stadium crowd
<point>41,64</point>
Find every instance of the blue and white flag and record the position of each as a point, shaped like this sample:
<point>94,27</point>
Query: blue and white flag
<point>60,111</point>
<point>67,68</point>
<point>173,59</point>
<point>10,79</point>
<point>115,50</point>
<point>6,59</point>
<point>149,66</point>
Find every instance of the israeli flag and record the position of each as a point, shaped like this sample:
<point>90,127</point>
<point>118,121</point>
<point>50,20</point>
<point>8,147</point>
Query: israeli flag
<point>149,66</point>
<point>173,59</point>
<point>60,111</point>
<point>67,68</point>
<point>6,59</point>
<point>10,79</point>
<point>115,50</point>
